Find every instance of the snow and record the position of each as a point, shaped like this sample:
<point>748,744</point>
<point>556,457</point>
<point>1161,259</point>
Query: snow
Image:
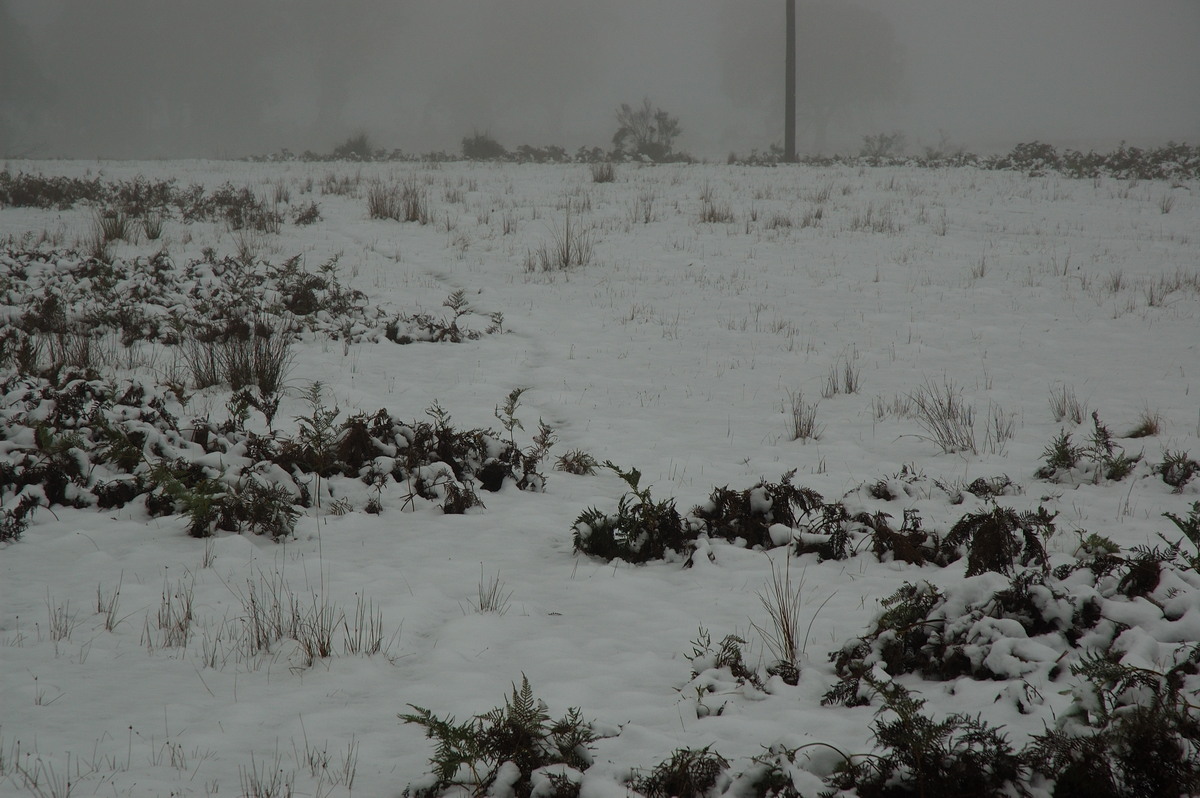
<point>673,351</point>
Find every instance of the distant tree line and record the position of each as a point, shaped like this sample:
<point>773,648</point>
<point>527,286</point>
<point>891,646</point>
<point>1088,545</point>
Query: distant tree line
<point>1170,161</point>
<point>644,133</point>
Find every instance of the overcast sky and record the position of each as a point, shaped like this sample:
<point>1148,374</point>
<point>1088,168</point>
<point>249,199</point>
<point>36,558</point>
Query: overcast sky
<point>171,78</point>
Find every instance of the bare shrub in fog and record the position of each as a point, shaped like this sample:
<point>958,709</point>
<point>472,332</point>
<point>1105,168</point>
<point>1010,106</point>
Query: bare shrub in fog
<point>645,130</point>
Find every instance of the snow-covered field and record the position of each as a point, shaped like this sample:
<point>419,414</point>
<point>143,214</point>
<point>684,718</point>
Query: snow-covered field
<point>679,349</point>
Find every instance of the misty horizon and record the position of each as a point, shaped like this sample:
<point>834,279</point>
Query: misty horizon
<point>222,78</point>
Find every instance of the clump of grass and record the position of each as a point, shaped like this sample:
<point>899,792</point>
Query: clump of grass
<point>899,406</point>
<point>946,418</point>
<point>152,225</point>
<point>781,600</point>
<point>1001,427</point>
<point>263,358</point>
<point>603,172</point>
<point>491,596</point>
<point>845,376</point>
<point>801,417</point>
<point>778,221</point>
<point>1149,424</point>
<point>1065,405</point>
<point>570,245</point>
<point>414,201</point>
<point>383,201</point>
<point>114,224</point>
<point>713,212</point>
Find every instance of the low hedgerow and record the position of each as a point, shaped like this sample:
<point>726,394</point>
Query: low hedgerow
<point>232,319</point>
<point>84,441</point>
<point>24,190</point>
<point>238,207</point>
<point>769,514</point>
<point>1129,730</point>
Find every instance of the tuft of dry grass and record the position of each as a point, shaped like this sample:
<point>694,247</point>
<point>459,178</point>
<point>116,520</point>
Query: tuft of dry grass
<point>947,420</point>
<point>1149,424</point>
<point>781,599</point>
<point>802,417</point>
<point>1065,405</point>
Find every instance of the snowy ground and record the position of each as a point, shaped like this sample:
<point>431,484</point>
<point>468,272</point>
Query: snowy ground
<point>675,351</point>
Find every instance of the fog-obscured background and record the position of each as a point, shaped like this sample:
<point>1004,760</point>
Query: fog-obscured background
<point>174,78</point>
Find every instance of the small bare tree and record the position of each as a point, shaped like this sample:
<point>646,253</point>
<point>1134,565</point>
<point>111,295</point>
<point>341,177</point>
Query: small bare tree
<point>645,130</point>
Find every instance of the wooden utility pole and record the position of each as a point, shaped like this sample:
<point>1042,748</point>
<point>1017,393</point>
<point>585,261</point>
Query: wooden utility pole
<point>789,103</point>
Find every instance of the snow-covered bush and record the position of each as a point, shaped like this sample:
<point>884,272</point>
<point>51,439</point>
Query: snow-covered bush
<point>688,773</point>
<point>1101,458</point>
<point>749,514</point>
<point>500,752</point>
<point>641,530</point>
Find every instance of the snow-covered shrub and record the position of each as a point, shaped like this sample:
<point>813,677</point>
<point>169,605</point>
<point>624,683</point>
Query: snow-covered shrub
<point>240,209</point>
<point>307,214</point>
<point>835,533</point>
<point>39,191</point>
<point>91,442</point>
<point>498,752</point>
<point>406,329</point>
<point>15,520</point>
<point>1177,469</point>
<point>1101,458</point>
<point>726,656</point>
<point>688,773</point>
<point>61,302</point>
<point>921,756</point>
<point>1130,731</point>
<point>749,514</point>
<point>1190,527</point>
<point>482,146</point>
<point>986,629</point>
<point>577,462</point>
<point>641,530</point>
<point>991,541</point>
<point>1034,158</point>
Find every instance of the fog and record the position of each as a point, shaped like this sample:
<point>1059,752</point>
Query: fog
<point>229,78</point>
